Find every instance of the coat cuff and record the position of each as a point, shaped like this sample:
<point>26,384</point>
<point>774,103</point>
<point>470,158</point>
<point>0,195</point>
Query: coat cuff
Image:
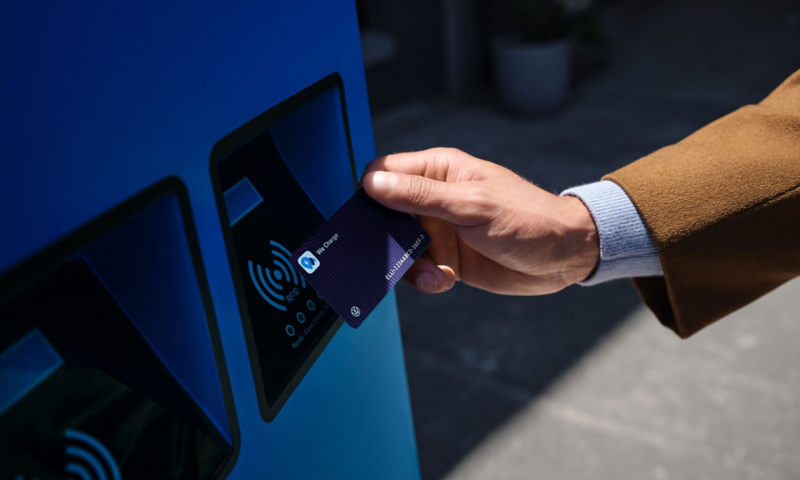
<point>626,246</point>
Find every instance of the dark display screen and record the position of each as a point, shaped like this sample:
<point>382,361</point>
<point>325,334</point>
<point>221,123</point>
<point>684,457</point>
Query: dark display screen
<point>85,396</point>
<point>270,215</point>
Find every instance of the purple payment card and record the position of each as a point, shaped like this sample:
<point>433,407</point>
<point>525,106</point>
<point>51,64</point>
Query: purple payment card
<point>359,254</point>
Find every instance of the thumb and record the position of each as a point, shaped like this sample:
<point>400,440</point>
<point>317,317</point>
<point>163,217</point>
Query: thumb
<point>416,194</point>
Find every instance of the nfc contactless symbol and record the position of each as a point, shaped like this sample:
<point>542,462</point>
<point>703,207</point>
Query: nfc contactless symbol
<point>276,279</point>
<point>355,311</point>
<point>308,261</point>
<point>88,458</point>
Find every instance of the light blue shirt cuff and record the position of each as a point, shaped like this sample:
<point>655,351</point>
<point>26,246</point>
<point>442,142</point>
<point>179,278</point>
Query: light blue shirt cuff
<point>626,246</point>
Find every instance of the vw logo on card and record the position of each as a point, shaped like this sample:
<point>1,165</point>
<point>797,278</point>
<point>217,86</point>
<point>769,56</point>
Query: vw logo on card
<point>308,261</point>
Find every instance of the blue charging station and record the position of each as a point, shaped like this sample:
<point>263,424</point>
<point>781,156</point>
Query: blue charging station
<point>159,163</point>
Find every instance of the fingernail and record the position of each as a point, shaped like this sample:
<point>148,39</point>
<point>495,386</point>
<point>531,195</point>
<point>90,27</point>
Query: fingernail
<point>383,182</point>
<point>444,280</point>
<point>427,283</point>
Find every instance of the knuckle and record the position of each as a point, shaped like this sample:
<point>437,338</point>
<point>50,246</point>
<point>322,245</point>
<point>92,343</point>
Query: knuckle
<point>443,150</point>
<point>452,151</point>
<point>450,163</point>
<point>447,154</point>
<point>418,190</point>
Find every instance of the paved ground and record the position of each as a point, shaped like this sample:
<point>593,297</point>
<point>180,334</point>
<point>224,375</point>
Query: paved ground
<point>586,383</point>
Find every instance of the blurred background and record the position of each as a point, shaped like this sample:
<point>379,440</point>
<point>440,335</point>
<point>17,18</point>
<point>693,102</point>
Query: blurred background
<point>584,383</point>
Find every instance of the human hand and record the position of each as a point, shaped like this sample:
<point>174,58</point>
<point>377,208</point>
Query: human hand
<point>489,227</point>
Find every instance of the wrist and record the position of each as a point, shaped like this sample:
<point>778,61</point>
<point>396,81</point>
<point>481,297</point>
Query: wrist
<point>626,247</point>
<point>581,242</point>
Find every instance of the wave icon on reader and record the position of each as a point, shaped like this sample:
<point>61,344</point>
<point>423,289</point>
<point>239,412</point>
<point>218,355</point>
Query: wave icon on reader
<point>270,283</point>
<point>88,459</point>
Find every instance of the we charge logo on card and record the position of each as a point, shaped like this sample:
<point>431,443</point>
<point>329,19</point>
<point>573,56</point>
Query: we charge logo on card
<point>359,254</point>
<point>309,262</point>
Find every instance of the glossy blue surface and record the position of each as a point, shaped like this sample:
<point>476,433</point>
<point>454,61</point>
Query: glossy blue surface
<point>24,365</point>
<point>101,101</point>
<point>145,264</point>
<point>312,141</point>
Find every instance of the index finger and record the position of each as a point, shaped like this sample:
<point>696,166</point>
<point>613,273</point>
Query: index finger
<point>442,164</point>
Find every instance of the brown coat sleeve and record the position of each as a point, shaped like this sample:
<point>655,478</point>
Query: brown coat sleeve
<point>723,206</point>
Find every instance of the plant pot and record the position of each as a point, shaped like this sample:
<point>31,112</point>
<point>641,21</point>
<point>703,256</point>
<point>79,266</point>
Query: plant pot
<point>532,78</point>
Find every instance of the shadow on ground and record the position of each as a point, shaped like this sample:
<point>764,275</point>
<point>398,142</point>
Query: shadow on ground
<point>475,359</point>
